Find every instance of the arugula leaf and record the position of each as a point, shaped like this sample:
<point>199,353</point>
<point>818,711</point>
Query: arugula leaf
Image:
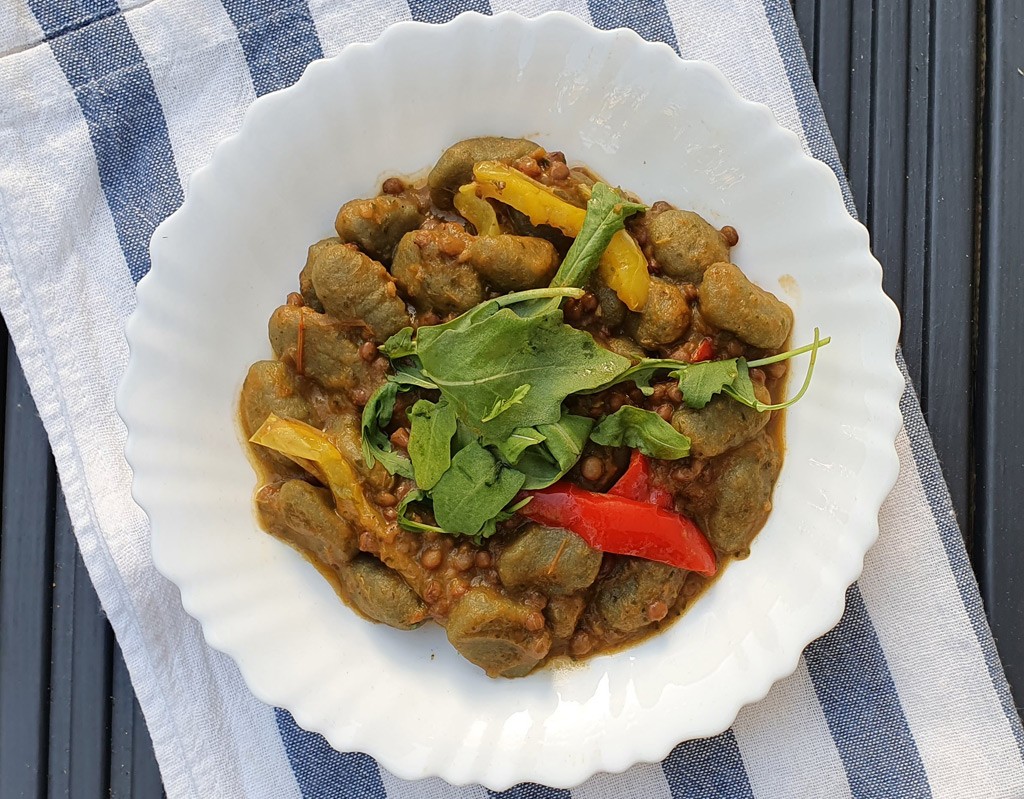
<point>699,382</point>
<point>484,363</point>
<point>400,344</point>
<point>606,215</point>
<point>547,463</point>
<point>375,443</point>
<point>430,440</point>
<point>410,375</point>
<point>415,495</point>
<point>565,438</point>
<point>518,440</point>
<point>463,437</point>
<point>743,390</point>
<point>474,490</point>
<point>642,430</point>
<point>502,405</point>
<point>479,313</point>
<point>491,525</point>
<point>641,374</point>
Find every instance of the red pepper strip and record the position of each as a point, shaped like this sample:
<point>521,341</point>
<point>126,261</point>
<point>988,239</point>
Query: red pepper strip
<point>705,352</point>
<point>636,483</point>
<point>623,526</point>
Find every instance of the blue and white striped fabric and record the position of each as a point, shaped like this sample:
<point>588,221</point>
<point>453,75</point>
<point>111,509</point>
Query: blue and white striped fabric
<point>106,109</point>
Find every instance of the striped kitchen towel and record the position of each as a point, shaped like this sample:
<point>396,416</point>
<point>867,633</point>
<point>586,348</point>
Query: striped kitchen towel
<point>105,111</point>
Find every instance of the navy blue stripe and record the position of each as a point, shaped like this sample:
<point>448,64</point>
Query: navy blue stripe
<point>323,773</point>
<point>952,541</point>
<point>102,62</point>
<point>862,709</point>
<point>530,790</point>
<point>808,104</point>
<point>709,767</point>
<point>649,18</point>
<point>278,40</point>
<point>432,11</point>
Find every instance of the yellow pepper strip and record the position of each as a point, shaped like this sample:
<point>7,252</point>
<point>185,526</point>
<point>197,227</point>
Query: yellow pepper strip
<point>623,265</point>
<point>477,211</point>
<point>314,451</point>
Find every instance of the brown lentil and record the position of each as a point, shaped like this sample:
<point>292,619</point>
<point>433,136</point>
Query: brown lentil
<point>592,468</point>
<point>432,592</point>
<point>528,166</point>
<point>431,558</point>
<point>368,351</point>
<point>730,236</point>
<point>400,438</point>
<point>368,542</point>
<point>580,644</point>
<point>534,622</point>
<point>657,610</point>
<point>463,558</point>
<point>483,559</point>
<point>559,171</point>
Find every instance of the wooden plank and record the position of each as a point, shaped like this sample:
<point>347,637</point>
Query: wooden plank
<point>898,86</point>
<point>806,14</point>
<point>26,560</point>
<point>1000,373</point>
<point>79,676</point>
<point>133,770</point>
<point>951,212</point>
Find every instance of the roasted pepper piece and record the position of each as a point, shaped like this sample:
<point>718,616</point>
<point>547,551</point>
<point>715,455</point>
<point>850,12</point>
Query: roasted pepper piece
<point>636,483</point>
<point>477,211</point>
<point>314,451</point>
<point>623,526</point>
<point>623,265</point>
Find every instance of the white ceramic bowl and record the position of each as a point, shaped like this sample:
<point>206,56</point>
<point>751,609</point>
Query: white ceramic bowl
<point>664,128</point>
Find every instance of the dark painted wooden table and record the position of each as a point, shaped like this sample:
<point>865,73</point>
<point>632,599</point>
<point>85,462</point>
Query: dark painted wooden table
<point>926,102</point>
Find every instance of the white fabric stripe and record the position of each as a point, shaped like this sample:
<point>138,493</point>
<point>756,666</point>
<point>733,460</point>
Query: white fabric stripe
<point>338,24</point>
<point>199,72</point>
<point>533,8</point>
<point>786,744</point>
<point>38,106</point>
<point>645,781</point>
<point>432,788</point>
<point>756,69</point>
<point>18,28</point>
<point>198,712</point>
<point>965,742</point>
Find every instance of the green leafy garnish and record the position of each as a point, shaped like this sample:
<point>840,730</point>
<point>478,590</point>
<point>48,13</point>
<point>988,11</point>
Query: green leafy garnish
<point>473,490</point>
<point>502,371</point>
<point>563,444</point>
<point>432,426</point>
<point>481,366</point>
<point>642,430</point>
<point>607,212</point>
<point>518,440</point>
<point>701,381</point>
<point>375,443</point>
<point>399,345</point>
<point>410,375</point>
<point>415,495</point>
<point>502,405</point>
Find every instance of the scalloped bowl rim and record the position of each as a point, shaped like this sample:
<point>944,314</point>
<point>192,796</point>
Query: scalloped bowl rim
<point>651,747</point>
